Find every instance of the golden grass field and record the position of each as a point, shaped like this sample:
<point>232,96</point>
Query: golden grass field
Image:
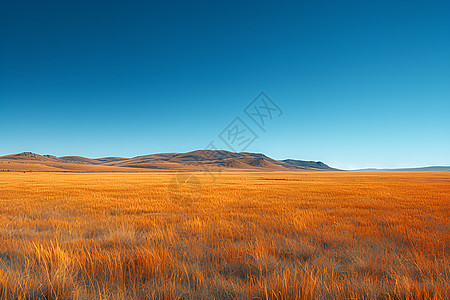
<point>303,235</point>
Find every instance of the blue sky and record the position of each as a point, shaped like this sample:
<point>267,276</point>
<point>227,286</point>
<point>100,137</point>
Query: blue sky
<point>360,83</point>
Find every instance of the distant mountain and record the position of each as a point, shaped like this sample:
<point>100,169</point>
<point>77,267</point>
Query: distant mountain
<point>419,169</point>
<point>28,156</point>
<point>208,159</point>
<point>308,164</point>
<point>200,160</point>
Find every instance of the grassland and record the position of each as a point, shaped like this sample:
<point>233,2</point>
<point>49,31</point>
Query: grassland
<point>272,235</point>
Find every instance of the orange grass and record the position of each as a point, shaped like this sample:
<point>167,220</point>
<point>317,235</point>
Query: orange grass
<point>312,235</point>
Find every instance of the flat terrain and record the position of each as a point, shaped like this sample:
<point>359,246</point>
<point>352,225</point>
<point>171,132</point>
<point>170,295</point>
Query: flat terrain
<point>272,235</point>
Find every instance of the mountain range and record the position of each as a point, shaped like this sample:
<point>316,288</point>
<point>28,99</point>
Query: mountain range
<point>199,160</point>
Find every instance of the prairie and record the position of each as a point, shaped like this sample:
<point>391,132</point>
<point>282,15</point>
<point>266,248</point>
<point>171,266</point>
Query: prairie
<point>234,235</point>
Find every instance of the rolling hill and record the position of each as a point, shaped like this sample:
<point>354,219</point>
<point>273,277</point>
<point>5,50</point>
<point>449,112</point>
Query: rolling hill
<point>199,160</point>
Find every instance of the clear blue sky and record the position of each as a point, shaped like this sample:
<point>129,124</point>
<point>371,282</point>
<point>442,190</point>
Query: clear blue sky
<point>360,83</point>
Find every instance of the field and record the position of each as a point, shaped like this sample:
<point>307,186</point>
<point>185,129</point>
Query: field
<point>273,235</point>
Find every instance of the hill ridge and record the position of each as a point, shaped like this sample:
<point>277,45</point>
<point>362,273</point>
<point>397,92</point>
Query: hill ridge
<point>196,160</point>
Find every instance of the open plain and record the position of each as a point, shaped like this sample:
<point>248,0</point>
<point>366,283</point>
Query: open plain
<point>234,235</point>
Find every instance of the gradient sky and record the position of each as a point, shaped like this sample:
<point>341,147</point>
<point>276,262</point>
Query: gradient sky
<point>360,83</point>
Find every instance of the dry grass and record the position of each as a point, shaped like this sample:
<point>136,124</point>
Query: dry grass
<point>243,236</point>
